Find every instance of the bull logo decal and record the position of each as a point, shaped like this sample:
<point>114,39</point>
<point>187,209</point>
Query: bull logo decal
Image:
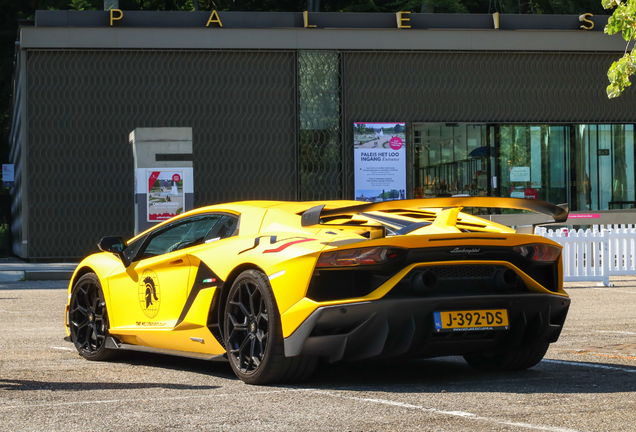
<point>149,294</point>
<point>151,291</point>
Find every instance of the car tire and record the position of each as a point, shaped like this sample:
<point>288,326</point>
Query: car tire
<point>88,319</point>
<point>253,337</point>
<point>517,359</point>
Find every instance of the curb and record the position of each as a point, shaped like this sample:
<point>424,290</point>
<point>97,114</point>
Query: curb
<point>34,275</point>
<point>38,275</point>
<point>11,276</point>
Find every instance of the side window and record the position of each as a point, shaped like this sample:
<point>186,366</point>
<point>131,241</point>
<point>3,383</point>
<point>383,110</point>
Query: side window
<point>190,232</point>
<point>133,248</point>
<point>227,226</point>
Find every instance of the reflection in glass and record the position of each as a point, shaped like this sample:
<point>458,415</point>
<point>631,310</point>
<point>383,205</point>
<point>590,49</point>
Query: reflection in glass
<point>589,166</point>
<point>320,161</point>
<point>450,159</point>
<point>605,165</point>
<point>532,162</point>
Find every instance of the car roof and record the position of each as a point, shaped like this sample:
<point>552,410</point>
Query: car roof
<point>295,207</point>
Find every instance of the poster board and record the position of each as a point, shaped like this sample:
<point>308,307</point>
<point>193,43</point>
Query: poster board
<point>165,197</point>
<point>519,174</point>
<point>8,175</point>
<point>379,151</point>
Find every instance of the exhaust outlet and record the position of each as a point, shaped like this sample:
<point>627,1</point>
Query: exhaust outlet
<point>506,279</point>
<point>423,281</point>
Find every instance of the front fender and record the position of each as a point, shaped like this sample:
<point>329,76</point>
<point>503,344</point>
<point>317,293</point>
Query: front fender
<point>102,264</point>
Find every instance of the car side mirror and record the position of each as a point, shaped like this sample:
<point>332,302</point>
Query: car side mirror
<point>115,245</point>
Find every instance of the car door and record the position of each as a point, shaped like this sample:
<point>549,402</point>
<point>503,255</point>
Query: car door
<point>152,291</point>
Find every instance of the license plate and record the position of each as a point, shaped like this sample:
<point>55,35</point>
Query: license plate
<point>495,319</point>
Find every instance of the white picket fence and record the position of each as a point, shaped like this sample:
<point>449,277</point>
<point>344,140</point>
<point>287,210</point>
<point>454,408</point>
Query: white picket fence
<point>595,254</point>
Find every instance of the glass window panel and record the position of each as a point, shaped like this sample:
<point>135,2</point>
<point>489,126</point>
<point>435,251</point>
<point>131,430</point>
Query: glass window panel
<point>446,144</point>
<point>555,185</point>
<point>605,182</point>
<point>591,167</point>
<point>532,160</point>
<point>319,114</point>
<point>449,159</point>
<point>189,233</point>
<point>596,172</point>
<point>623,167</point>
<point>460,144</point>
<point>475,137</point>
<point>537,134</point>
<point>629,161</point>
<point>515,159</point>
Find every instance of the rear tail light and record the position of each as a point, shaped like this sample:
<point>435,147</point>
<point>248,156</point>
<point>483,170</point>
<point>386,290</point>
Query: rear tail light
<point>360,256</point>
<point>538,252</point>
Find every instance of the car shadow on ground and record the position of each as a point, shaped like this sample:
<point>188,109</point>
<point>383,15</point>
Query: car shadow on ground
<point>452,374</point>
<point>35,385</point>
<point>216,368</point>
<point>448,374</point>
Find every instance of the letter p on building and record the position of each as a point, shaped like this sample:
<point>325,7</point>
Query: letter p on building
<point>115,15</point>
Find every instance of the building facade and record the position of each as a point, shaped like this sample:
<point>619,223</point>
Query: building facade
<point>519,110</point>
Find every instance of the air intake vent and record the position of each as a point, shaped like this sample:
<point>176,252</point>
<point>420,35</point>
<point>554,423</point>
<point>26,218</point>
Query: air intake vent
<point>459,280</point>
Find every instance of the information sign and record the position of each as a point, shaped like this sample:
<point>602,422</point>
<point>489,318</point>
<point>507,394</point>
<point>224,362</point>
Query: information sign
<point>379,151</point>
<point>8,175</point>
<point>165,194</point>
<point>520,174</point>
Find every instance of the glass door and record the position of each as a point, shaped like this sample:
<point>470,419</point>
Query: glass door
<point>452,159</point>
<point>605,165</point>
<point>588,166</point>
<point>533,162</point>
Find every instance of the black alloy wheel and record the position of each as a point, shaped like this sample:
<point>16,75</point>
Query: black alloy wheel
<point>253,334</point>
<point>88,319</point>
<point>247,324</point>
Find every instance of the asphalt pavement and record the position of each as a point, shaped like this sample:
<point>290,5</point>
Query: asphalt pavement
<point>586,383</point>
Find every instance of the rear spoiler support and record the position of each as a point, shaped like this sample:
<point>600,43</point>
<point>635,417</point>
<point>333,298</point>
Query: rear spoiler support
<point>559,213</point>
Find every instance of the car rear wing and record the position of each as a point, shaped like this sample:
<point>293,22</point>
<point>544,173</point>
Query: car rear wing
<point>559,213</point>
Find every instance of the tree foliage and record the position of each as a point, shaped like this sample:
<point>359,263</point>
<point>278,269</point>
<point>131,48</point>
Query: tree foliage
<point>623,20</point>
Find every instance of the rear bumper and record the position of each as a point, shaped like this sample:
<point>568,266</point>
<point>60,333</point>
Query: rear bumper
<point>405,327</point>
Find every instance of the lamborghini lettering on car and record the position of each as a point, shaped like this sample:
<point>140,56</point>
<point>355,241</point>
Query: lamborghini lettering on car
<point>275,288</point>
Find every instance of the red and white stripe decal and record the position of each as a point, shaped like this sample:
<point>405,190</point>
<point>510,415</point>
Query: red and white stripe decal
<point>286,245</point>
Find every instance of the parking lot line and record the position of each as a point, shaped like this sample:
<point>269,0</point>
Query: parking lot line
<point>449,413</point>
<point>590,365</point>
<point>611,290</point>
<point>615,331</point>
<point>126,401</point>
<point>462,414</point>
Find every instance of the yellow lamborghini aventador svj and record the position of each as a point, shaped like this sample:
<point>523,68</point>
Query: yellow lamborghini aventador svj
<point>276,287</point>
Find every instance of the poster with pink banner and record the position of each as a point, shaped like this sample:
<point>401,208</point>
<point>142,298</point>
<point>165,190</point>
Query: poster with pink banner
<point>165,194</point>
<point>379,151</point>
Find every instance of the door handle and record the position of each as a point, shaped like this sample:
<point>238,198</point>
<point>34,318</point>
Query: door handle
<point>177,261</point>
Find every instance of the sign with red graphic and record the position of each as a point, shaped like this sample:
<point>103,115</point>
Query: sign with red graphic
<point>584,216</point>
<point>396,143</point>
<point>165,195</point>
<point>152,178</point>
<point>379,151</point>
<point>286,245</point>
<point>530,193</point>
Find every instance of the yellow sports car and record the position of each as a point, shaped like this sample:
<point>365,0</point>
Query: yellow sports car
<point>275,287</point>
